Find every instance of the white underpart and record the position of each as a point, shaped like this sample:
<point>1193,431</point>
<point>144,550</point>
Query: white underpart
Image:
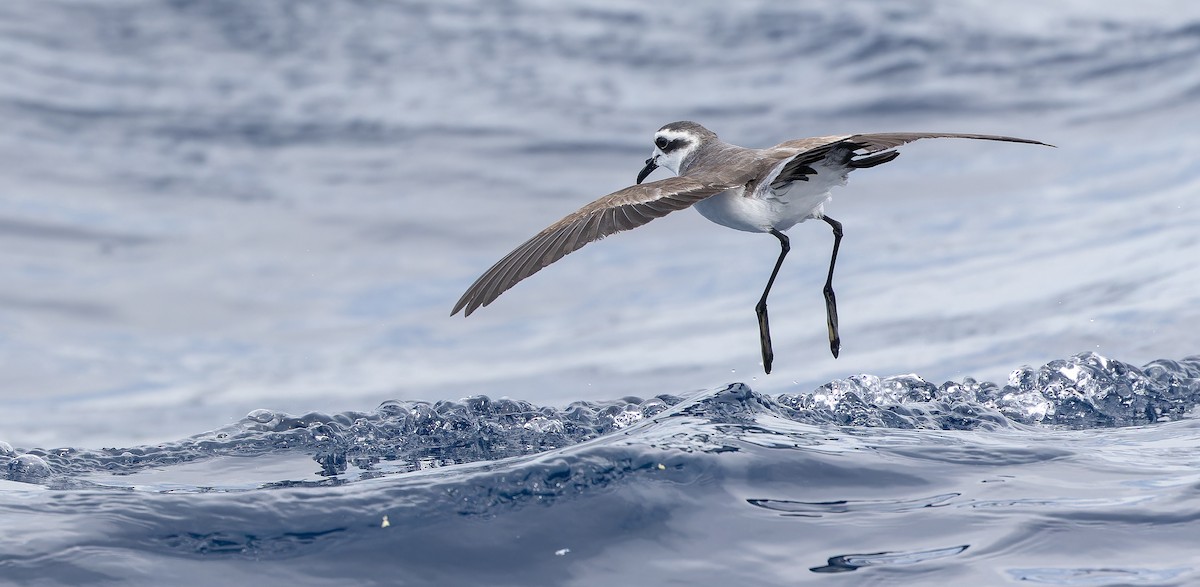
<point>780,209</point>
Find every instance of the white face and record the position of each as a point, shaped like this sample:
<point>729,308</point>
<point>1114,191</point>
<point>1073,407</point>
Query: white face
<point>671,147</point>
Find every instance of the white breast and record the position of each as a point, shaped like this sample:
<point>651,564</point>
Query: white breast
<point>781,208</point>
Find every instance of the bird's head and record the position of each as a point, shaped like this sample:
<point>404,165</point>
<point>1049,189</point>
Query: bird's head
<point>674,144</point>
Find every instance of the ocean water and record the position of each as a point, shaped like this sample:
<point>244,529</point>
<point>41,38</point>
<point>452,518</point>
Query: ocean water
<point>231,234</point>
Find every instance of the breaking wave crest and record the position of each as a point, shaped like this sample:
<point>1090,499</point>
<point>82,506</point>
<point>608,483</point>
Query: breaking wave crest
<point>1084,391</point>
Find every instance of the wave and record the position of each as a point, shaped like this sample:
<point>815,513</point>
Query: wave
<point>862,474</point>
<point>1082,392</point>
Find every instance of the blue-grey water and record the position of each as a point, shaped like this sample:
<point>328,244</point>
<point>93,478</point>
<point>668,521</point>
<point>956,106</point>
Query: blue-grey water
<point>231,234</point>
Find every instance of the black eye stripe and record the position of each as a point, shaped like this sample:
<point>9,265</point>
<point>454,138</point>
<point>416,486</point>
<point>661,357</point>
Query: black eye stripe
<point>668,146</point>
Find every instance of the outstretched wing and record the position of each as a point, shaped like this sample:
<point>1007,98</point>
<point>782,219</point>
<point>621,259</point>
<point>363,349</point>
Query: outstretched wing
<point>622,210</point>
<point>863,146</point>
<point>873,143</point>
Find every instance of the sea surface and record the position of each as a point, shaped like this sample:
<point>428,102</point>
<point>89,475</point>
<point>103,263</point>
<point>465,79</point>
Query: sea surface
<point>231,234</point>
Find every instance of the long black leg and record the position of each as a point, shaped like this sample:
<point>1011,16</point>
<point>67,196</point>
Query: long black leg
<point>764,330</point>
<point>835,339</point>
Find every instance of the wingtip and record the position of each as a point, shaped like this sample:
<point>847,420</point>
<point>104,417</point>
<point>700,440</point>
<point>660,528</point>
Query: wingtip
<point>467,307</point>
<point>1036,142</point>
<point>1022,140</point>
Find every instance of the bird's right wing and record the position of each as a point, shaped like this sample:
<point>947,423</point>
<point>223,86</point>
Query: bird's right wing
<point>622,210</point>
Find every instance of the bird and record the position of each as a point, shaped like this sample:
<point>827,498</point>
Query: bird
<point>752,190</point>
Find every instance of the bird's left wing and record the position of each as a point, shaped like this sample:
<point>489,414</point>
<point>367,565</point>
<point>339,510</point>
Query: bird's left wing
<point>809,151</point>
<point>873,143</point>
<point>622,210</point>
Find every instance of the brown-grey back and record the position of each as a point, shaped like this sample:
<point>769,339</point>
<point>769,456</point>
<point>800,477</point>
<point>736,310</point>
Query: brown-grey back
<point>722,162</point>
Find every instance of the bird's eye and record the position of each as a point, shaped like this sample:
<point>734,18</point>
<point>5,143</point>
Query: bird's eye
<point>661,142</point>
